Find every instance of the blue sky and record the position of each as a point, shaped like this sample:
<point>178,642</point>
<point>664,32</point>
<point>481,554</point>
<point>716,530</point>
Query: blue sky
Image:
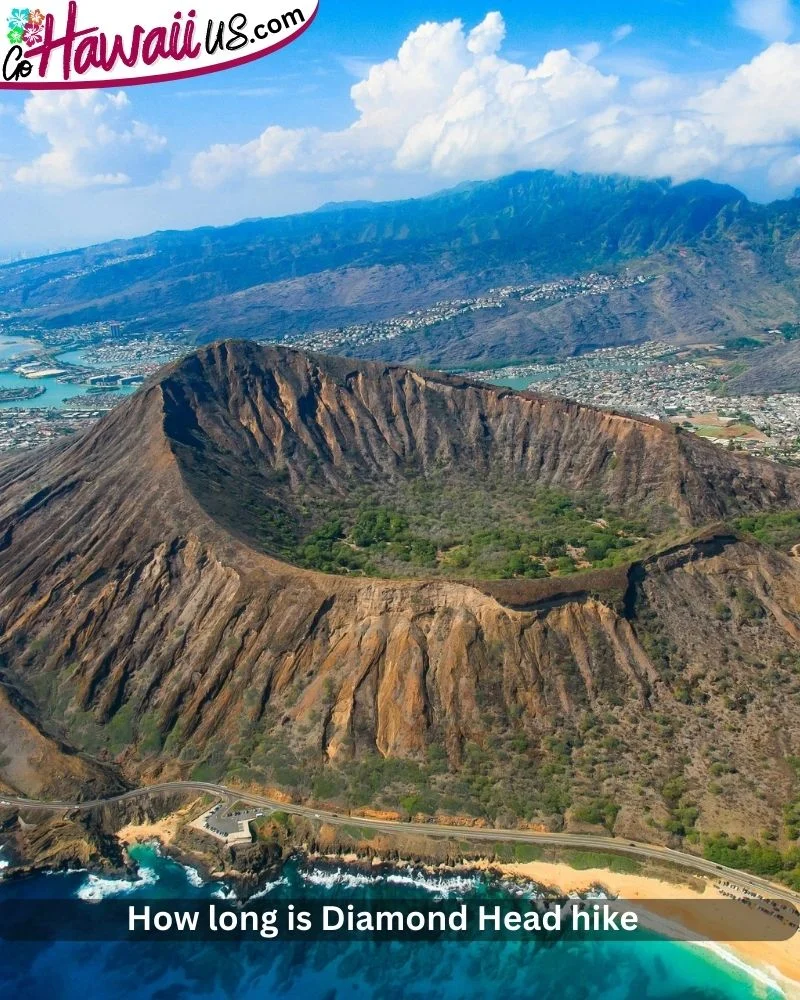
<point>391,100</point>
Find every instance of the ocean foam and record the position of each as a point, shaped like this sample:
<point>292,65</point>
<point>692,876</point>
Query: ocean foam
<point>96,888</point>
<point>282,881</point>
<point>224,893</point>
<point>439,886</point>
<point>339,879</point>
<point>731,958</point>
<point>522,888</point>
<point>442,886</point>
<point>193,877</point>
<point>679,934</point>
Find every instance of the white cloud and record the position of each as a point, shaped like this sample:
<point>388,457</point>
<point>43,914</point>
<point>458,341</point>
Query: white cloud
<point>446,103</point>
<point>589,51</point>
<point>757,103</point>
<point>93,142</point>
<point>487,38</point>
<point>450,107</point>
<point>501,115</point>
<point>773,20</point>
<point>661,88</point>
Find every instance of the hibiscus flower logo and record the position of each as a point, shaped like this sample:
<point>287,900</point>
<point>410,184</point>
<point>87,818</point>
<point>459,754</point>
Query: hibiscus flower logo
<point>33,34</point>
<point>20,16</point>
<point>25,25</point>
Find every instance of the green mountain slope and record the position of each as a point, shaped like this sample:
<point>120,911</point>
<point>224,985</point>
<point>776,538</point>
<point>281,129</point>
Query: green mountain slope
<point>720,265</point>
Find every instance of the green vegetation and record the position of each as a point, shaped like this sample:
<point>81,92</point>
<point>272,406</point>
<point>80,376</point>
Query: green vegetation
<point>436,525</point>
<point>743,344</point>
<point>780,530</point>
<point>754,856</point>
<point>272,827</point>
<point>749,606</point>
<point>325,550</point>
<point>791,811</point>
<point>600,811</point>
<point>205,771</point>
<point>512,778</point>
<point>525,853</point>
<point>511,853</point>
<point>120,730</point>
<point>789,331</point>
<point>620,863</point>
<point>357,833</point>
<point>149,734</point>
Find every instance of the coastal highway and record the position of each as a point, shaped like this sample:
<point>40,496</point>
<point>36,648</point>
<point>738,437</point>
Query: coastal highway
<point>574,840</point>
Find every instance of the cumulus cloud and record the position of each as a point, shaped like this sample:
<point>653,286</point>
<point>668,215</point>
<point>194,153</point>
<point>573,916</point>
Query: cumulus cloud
<point>445,102</point>
<point>93,142</point>
<point>449,106</point>
<point>757,104</point>
<point>773,20</point>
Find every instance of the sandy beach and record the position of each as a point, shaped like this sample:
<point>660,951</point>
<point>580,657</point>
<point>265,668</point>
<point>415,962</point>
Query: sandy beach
<point>779,961</point>
<point>776,962</point>
<point>164,830</point>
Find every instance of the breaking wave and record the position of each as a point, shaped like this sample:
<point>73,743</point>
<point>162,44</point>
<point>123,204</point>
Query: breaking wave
<point>277,883</point>
<point>193,877</point>
<point>224,893</point>
<point>439,885</point>
<point>96,887</point>
<point>339,878</point>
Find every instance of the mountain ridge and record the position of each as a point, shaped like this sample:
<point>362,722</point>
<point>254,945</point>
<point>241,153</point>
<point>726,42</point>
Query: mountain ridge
<point>290,275</point>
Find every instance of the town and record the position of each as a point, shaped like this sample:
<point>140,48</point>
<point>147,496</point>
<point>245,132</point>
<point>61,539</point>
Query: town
<point>348,339</point>
<point>53,383</point>
<point>59,381</point>
<point>685,385</point>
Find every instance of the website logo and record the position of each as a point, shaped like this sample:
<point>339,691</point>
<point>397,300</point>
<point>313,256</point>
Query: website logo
<point>93,43</point>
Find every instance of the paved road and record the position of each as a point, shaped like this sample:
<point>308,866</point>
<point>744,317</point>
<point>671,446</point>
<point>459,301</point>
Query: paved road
<point>591,842</point>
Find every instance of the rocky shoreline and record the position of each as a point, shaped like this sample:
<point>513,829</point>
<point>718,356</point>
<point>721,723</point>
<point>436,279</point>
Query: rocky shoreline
<point>98,840</point>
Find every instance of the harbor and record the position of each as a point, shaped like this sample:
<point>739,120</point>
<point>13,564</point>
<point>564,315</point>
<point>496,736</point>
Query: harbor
<point>56,384</point>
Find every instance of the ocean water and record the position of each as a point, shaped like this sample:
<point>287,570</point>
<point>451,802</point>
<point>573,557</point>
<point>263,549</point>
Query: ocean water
<point>662,970</point>
<point>76,357</point>
<point>56,393</point>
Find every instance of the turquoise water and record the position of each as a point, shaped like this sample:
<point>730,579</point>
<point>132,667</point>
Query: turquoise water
<point>76,357</point>
<point>519,384</point>
<point>56,392</point>
<point>661,970</point>
<point>55,395</point>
